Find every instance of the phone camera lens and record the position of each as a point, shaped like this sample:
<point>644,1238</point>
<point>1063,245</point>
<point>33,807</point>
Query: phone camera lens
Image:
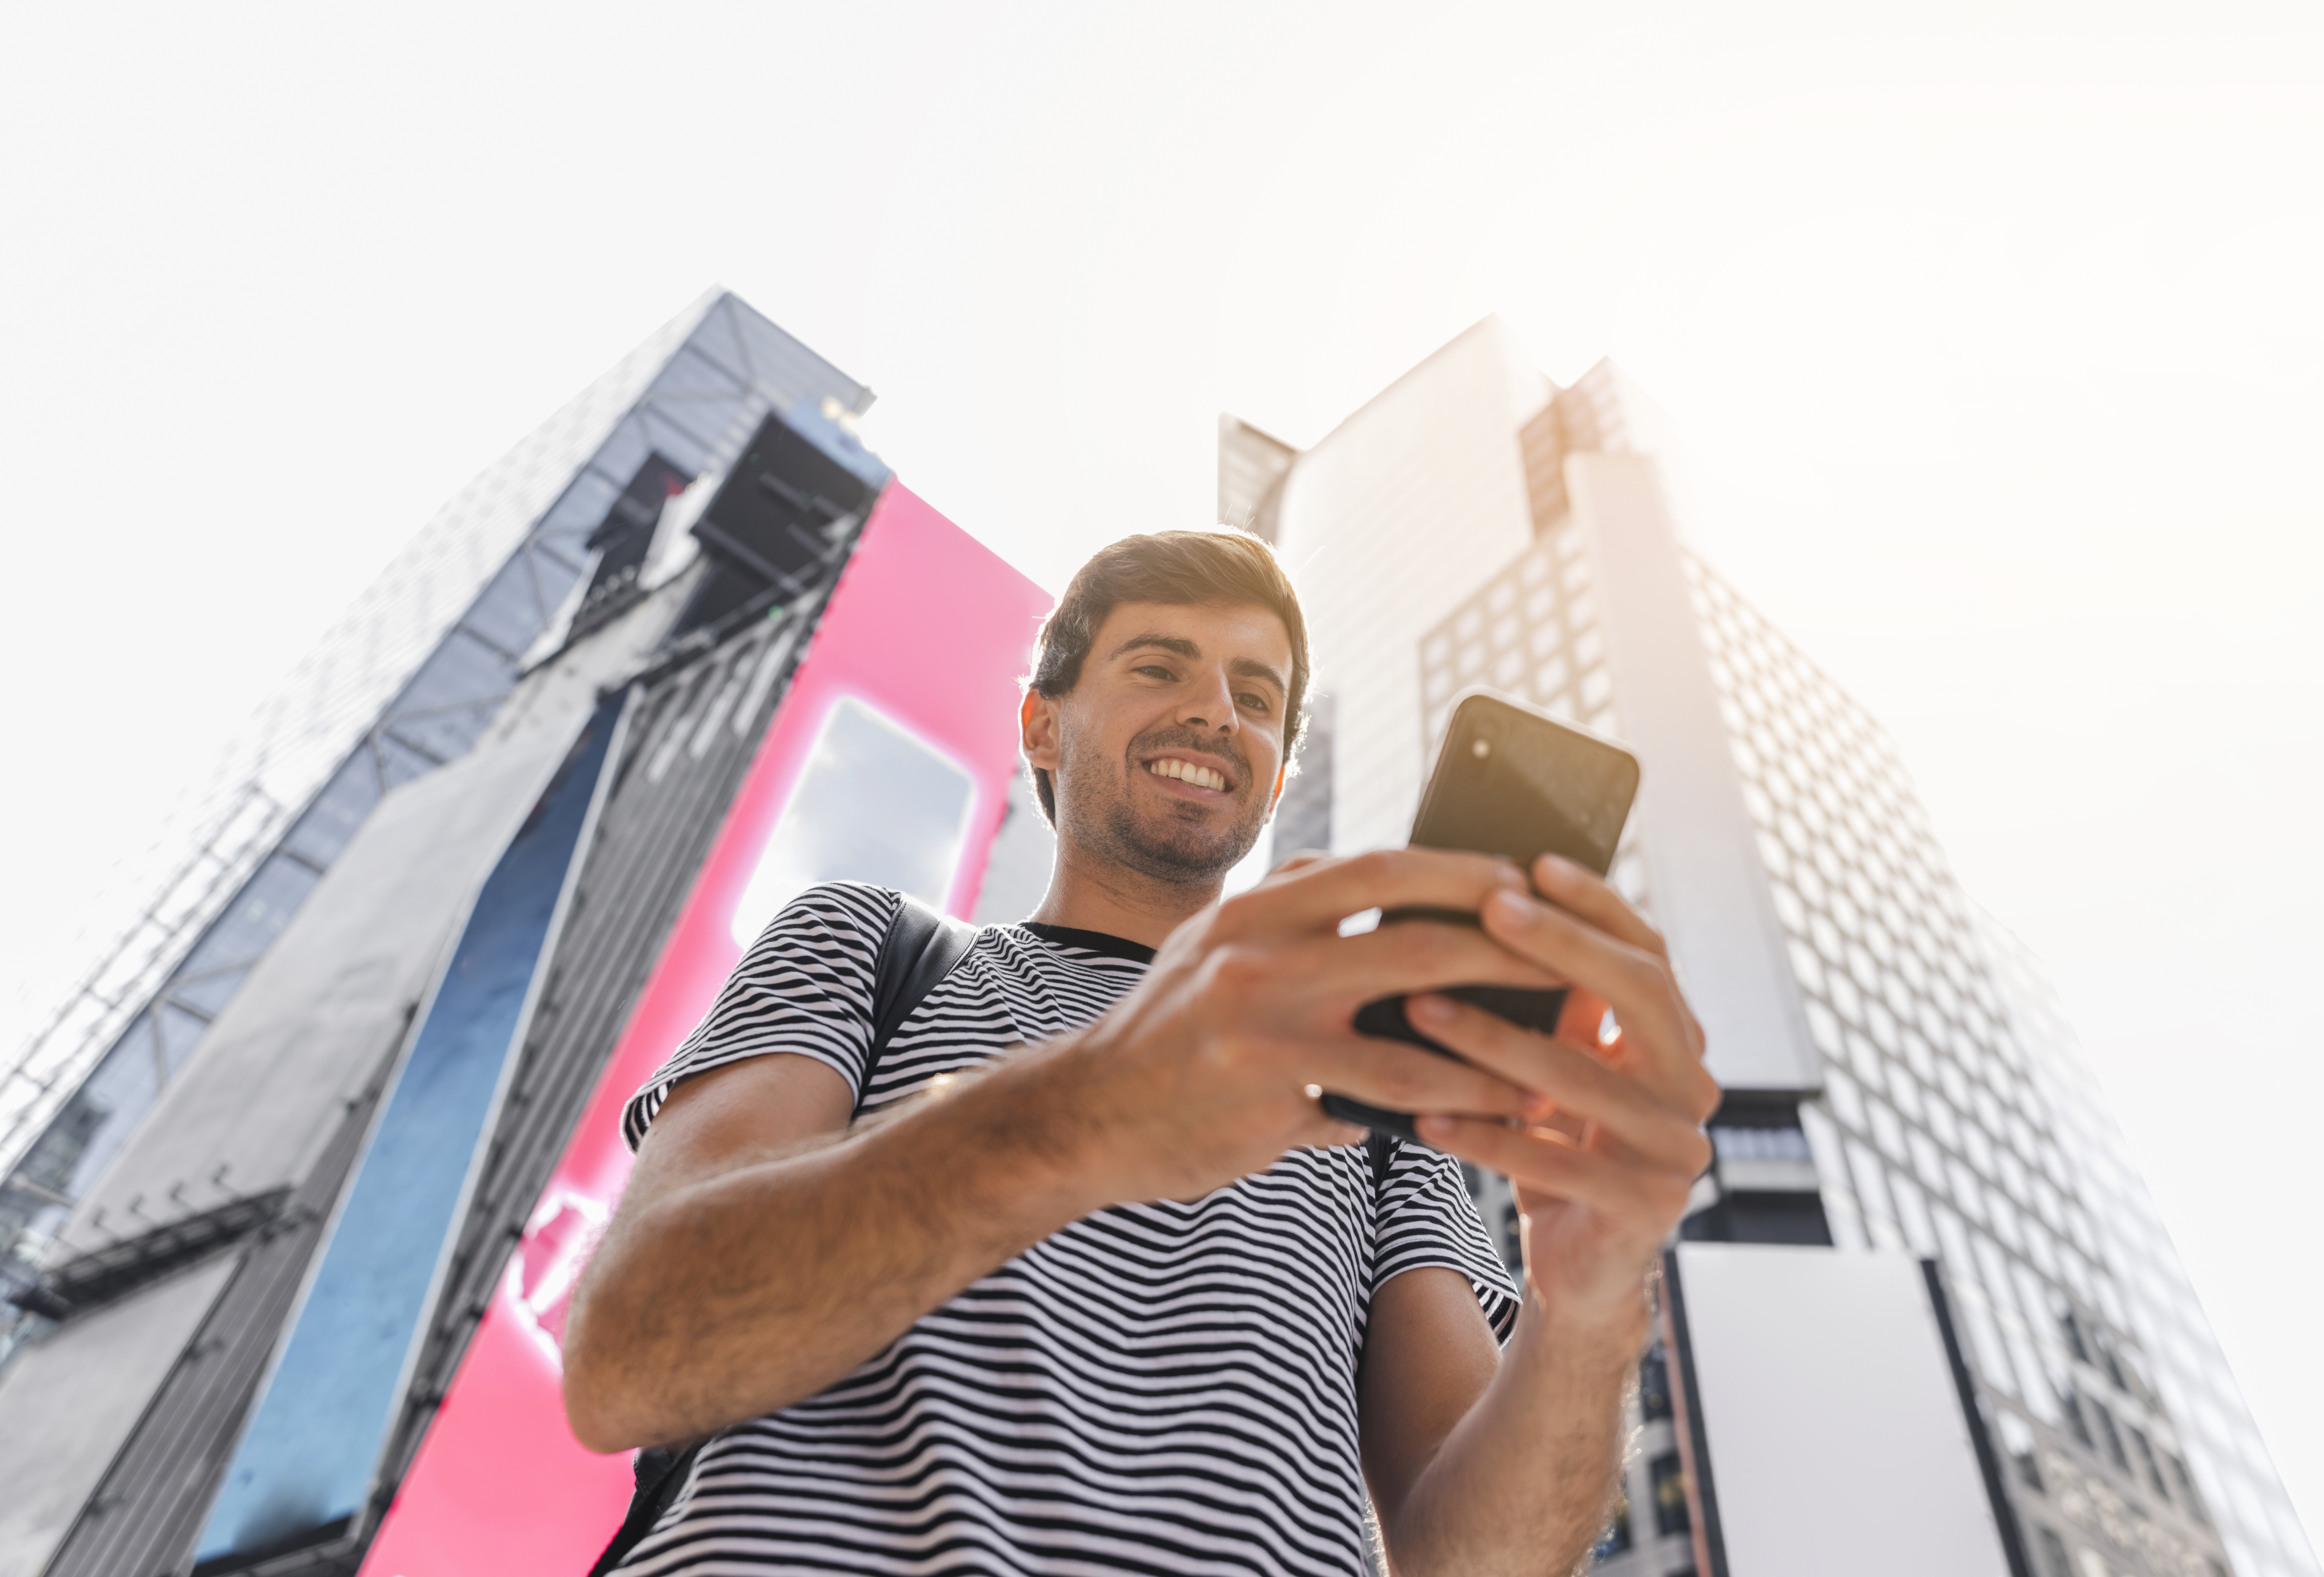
<point>1482,748</point>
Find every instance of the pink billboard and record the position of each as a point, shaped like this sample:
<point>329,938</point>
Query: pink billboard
<point>917,657</point>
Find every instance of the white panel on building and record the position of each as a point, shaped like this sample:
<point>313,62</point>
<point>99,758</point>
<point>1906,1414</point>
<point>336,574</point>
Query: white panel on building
<point>1837,1440</point>
<point>1702,859</point>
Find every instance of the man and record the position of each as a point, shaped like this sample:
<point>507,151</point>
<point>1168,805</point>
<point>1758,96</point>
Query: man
<point>1099,1286</point>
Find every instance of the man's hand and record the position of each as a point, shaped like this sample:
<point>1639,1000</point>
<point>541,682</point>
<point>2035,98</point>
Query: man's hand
<point>1479,1468</point>
<point>1603,1175</point>
<point>1207,1071</point>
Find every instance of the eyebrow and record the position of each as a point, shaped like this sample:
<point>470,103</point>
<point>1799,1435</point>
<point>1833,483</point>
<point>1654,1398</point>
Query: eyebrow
<point>1173,643</point>
<point>1243,668</point>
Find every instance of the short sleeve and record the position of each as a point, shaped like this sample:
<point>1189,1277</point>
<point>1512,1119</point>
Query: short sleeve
<point>1427,1218</point>
<point>805,987</point>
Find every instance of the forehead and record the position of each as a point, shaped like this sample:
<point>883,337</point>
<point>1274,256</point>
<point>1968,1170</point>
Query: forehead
<point>1251,631</point>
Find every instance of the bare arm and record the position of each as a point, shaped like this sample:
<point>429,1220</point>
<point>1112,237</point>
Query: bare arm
<point>759,1253</point>
<point>1479,1468</point>
<point>1482,1462</point>
<point>758,1256</point>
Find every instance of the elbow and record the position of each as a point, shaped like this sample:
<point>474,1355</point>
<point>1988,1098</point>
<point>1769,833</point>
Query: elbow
<point>594,1395</point>
<point>591,1412</point>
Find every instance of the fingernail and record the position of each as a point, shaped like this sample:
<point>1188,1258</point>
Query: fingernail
<point>1512,876</point>
<point>1434,1010</point>
<point>1553,867</point>
<point>1513,907</point>
<point>1433,1127</point>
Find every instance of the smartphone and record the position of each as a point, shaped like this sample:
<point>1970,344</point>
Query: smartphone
<point>1515,782</point>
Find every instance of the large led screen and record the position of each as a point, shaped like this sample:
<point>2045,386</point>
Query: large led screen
<point>890,760</point>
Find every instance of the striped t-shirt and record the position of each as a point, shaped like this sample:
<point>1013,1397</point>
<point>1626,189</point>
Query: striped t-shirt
<point>1166,1388</point>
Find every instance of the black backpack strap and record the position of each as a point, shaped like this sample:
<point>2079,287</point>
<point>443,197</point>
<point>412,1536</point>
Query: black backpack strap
<point>920,949</point>
<point>660,1473</point>
<point>1379,1147</point>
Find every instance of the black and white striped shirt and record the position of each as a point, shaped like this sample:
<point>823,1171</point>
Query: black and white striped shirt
<point>1164,1388</point>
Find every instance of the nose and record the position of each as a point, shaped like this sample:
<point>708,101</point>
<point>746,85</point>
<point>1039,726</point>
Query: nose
<point>1210,703</point>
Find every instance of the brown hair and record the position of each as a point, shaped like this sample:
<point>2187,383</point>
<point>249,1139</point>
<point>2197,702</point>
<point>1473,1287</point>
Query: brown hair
<point>1167,567</point>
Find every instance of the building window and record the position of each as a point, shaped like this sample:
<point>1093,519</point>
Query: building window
<point>2145,1451</point>
<point>2053,1561</point>
<point>2188,1497</point>
<point>2110,1435</point>
<point>2017,1441</point>
<point>1653,1383</point>
<point>874,802</point>
<point>2071,1406</point>
<point>2073,1328</point>
<point>1669,1496</point>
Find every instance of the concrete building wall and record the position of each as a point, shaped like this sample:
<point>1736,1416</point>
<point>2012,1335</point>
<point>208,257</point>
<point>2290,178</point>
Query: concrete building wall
<point>1385,525</point>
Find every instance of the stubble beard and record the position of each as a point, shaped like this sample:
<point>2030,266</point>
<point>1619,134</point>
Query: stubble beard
<point>1173,845</point>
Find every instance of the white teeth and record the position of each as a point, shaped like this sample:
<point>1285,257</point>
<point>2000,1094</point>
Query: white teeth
<point>1186,772</point>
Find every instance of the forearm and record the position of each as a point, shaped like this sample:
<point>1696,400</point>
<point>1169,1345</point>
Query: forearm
<point>744,1293</point>
<point>1523,1482</point>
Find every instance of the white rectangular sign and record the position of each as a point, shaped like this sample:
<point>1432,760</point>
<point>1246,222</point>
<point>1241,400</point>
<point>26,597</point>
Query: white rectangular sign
<point>1836,1438</point>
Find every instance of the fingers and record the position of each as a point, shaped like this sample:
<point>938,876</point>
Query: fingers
<point>1417,955</point>
<point>1628,1191</point>
<point>1661,1042</point>
<point>1397,1077</point>
<point>1572,887</point>
<point>1320,894</point>
<point>1580,1082</point>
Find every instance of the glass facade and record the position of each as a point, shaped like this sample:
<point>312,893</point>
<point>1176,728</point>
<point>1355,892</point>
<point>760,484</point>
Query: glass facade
<point>1956,1120</point>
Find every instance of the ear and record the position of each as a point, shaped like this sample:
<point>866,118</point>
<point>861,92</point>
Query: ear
<point>1037,722</point>
<point>1282,775</point>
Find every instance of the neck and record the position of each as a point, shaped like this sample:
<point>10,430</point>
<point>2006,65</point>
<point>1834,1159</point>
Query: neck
<point>1087,894</point>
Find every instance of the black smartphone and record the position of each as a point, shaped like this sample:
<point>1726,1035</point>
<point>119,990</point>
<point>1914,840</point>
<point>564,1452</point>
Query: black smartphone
<point>1515,782</point>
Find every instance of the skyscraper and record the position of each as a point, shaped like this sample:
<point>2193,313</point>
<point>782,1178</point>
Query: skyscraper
<point>1898,1075</point>
<point>330,1180</point>
<point>406,680</point>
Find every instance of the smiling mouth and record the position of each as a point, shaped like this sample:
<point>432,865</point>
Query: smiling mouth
<point>1186,772</point>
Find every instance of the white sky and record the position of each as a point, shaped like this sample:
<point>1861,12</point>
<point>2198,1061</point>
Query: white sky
<point>1996,332</point>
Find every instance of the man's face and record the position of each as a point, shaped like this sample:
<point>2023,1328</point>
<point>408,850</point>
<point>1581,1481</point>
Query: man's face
<point>1168,755</point>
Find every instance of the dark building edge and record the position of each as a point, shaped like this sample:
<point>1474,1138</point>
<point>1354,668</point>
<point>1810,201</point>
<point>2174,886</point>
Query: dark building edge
<point>1988,1460</point>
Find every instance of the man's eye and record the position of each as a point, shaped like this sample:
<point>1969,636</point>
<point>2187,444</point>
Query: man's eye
<point>1154,671</point>
<point>1256,702</point>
